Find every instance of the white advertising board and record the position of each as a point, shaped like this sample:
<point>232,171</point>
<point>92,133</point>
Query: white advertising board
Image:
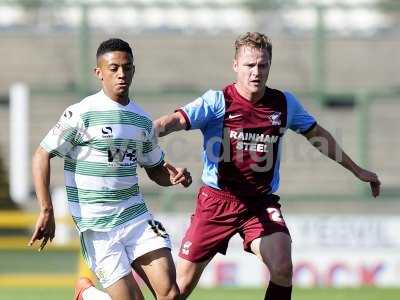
<point>328,250</point>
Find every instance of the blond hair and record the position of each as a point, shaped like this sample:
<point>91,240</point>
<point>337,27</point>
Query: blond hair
<point>253,40</point>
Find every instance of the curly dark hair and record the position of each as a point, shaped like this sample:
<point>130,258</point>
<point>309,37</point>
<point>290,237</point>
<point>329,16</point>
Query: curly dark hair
<point>113,44</point>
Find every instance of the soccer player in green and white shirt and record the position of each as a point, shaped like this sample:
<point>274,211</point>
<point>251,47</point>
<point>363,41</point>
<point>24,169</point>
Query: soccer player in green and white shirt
<point>102,140</point>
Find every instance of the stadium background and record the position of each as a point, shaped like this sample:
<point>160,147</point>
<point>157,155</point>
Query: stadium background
<point>340,57</point>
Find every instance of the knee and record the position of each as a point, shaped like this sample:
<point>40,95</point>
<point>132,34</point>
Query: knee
<point>184,286</point>
<point>282,270</point>
<point>172,294</point>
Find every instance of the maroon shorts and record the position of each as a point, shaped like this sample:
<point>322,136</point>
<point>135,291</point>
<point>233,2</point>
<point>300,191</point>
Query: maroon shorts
<point>219,215</point>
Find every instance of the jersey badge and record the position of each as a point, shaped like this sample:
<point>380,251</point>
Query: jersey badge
<point>275,118</point>
<point>185,247</point>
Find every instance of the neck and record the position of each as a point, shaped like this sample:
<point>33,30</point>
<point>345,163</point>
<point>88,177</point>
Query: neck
<point>251,97</point>
<point>120,99</point>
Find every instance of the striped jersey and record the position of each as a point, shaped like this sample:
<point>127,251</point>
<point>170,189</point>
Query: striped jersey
<point>242,140</point>
<point>102,143</point>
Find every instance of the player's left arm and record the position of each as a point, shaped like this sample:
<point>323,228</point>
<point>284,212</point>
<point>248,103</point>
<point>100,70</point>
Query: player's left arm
<point>165,174</point>
<point>321,139</point>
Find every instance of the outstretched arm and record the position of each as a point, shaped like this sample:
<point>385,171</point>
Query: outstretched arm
<point>169,123</point>
<point>45,224</point>
<point>321,139</point>
<point>166,175</point>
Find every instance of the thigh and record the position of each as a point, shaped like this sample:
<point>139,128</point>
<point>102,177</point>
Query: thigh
<point>212,225</point>
<point>274,250</point>
<point>144,237</point>
<point>158,270</point>
<point>263,220</point>
<point>105,256</point>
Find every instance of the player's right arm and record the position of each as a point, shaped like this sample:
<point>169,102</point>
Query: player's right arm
<point>169,123</point>
<point>58,142</point>
<point>45,224</point>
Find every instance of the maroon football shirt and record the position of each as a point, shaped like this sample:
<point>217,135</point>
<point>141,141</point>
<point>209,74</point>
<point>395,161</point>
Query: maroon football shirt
<point>254,132</point>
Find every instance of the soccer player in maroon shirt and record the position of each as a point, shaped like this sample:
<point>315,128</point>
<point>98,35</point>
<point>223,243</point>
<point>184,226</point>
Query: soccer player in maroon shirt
<point>243,126</point>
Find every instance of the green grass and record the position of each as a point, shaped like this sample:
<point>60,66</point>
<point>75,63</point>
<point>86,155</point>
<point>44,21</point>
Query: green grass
<point>30,260</point>
<point>220,294</point>
<point>56,262</point>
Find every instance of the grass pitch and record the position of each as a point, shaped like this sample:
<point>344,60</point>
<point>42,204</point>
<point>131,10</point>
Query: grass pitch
<point>219,294</point>
<point>18,263</point>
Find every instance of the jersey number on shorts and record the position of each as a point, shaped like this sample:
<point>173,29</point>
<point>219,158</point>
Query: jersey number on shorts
<point>275,215</point>
<point>158,228</point>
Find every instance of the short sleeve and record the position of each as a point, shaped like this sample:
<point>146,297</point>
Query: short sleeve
<point>299,119</point>
<point>204,109</point>
<point>151,154</point>
<point>66,134</point>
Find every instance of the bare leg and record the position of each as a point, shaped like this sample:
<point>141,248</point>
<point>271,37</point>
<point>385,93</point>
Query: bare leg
<point>275,251</point>
<point>189,275</point>
<point>136,290</point>
<point>158,270</point>
<point>125,289</point>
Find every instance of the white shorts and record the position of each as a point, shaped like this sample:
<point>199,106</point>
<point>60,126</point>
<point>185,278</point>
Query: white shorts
<point>110,254</point>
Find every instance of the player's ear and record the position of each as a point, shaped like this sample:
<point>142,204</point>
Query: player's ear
<point>98,73</point>
<point>235,65</point>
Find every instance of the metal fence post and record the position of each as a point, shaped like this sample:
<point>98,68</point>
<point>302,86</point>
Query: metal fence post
<point>318,53</point>
<point>84,56</point>
<point>363,106</point>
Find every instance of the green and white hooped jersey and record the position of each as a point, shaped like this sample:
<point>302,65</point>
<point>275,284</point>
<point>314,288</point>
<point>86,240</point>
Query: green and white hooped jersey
<point>102,142</point>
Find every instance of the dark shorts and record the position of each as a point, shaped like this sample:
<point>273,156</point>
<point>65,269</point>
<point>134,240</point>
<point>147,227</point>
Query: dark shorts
<point>219,215</point>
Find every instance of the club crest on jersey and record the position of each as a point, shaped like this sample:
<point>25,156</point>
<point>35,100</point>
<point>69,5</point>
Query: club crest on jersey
<point>275,118</point>
<point>185,248</point>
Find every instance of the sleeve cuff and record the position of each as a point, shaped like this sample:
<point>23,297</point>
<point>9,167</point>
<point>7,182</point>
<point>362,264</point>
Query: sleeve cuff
<point>161,161</point>
<point>309,128</point>
<point>183,113</point>
<point>52,153</point>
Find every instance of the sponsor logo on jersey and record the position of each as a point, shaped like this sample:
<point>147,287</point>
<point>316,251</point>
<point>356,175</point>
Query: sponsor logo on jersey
<point>107,132</point>
<point>118,157</point>
<point>68,114</point>
<point>275,118</point>
<point>254,137</point>
<point>255,142</point>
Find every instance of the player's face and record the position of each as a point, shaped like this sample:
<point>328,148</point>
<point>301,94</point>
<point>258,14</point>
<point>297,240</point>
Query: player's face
<point>115,70</point>
<point>252,68</point>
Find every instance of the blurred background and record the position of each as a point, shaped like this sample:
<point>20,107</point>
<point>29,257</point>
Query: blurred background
<point>341,58</point>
